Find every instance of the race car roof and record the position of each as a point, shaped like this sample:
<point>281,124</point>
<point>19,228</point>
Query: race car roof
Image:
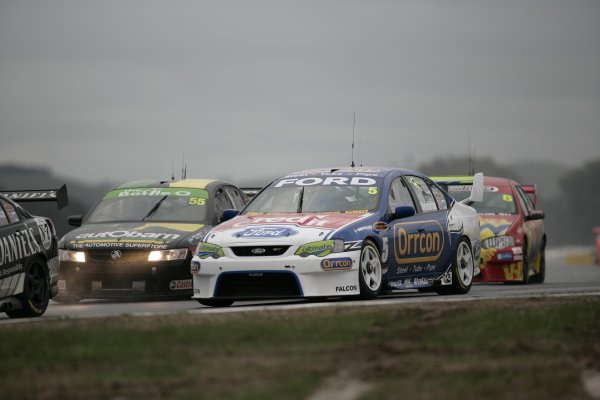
<point>376,171</point>
<point>183,183</point>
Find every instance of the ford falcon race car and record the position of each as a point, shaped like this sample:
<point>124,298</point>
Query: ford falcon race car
<point>28,254</point>
<point>340,232</point>
<point>513,239</point>
<point>139,239</point>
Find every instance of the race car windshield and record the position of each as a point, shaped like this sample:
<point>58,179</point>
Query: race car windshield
<point>152,204</point>
<point>313,199</point>
<point>494,201</point>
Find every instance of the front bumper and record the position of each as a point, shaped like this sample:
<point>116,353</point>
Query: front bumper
<point>139,279</point>
<point>246,278</point>
<point>501,265</point>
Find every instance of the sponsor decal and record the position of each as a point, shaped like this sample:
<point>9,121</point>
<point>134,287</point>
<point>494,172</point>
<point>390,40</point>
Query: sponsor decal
<point>319,249</point>
<point>195,266</point>
<point>409,283</point>
<point>205,250</point>
<point>423,246</point>
<point>116,254</point>
<point>127,235</point>
<point>504,257</point>
<point>446,279</point>
<point>181,284</point>
<point>415,269</point>
<point>332,180</point>
<point>45,232</point>
<point>157,192</point>
<point>266,232</point>
<point>116,244</point>
<point>347,288</point>
<point>336,264</point>
<point>17,246</point>
<point>491,227</point>
<point>513,271</point>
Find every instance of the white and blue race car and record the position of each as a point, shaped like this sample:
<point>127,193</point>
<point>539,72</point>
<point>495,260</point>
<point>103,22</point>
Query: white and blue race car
<point>341,232</point>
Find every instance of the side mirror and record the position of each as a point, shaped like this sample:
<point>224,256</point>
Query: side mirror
<point>74,220</point>
<point>476,190</point>
<point>228,214</point>
<point>535,214</point>
<point>403,212</point>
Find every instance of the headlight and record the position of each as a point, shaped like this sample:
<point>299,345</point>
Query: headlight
<point>498,242</point>
<point>167,255</point>
<point>73,256</point>
<point>205,250</point>
<point>321,248</point>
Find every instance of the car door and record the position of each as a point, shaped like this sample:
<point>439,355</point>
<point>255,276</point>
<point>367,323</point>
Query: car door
<point>418,245</point>
<point>533,229</point>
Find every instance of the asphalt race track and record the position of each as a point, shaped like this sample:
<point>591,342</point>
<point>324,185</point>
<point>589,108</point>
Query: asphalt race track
<point>561,279</point>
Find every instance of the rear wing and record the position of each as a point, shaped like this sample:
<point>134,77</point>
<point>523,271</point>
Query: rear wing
<point>475,181</point>
<point>60,195</point>
<point>250,192</point>
<point>531,191</point>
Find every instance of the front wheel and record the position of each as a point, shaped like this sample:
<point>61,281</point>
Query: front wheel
<point>462,270</point>
<point>215,302</point>
<point>369,271</point>
<point>36,291</point>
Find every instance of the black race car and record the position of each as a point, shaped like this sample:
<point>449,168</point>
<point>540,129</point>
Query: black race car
<point>139,239</point>
<point>28,254</point>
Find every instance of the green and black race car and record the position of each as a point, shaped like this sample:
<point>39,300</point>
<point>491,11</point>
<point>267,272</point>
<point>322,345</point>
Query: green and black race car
<point>139,239</point>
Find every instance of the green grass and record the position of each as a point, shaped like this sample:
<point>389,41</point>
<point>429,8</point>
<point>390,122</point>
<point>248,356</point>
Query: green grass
<point>493,349</point>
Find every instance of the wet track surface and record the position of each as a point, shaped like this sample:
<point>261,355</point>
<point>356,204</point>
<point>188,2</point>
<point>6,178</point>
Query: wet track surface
<point>561,279</point>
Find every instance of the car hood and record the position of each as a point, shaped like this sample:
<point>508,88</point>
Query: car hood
<point>138,235</point>
<point>291,229</point>
<point>496,225</point>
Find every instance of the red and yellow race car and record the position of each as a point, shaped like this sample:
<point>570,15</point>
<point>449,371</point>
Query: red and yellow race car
<point>513,239</point>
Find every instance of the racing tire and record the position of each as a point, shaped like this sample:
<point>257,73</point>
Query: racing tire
<point>525,279</point>
<point>541,275</point>
<point>36,291</point>
<point>215,302</point>
<point>463,270</point>
<point>370,274</point>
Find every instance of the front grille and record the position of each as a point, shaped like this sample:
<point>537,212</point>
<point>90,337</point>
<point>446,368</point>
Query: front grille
<point>258,285</point>
<point>110,255</point>
<point>254,251</point>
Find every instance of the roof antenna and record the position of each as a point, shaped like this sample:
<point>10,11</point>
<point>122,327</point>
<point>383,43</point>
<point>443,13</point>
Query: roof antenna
<point>172,170</point>
<point>358,156</point>
<point>183,167</point>
<point>353,125</point>
<point>471,159</point>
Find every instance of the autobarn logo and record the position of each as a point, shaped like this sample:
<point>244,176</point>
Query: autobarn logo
<point>416,242</point>
<point>128,235</point>
<point>181,284</point>
<point>336,264</point>
<point>266,232</point>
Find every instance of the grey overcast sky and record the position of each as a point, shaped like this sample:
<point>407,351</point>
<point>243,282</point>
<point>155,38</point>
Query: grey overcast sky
<point>120,89</point>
